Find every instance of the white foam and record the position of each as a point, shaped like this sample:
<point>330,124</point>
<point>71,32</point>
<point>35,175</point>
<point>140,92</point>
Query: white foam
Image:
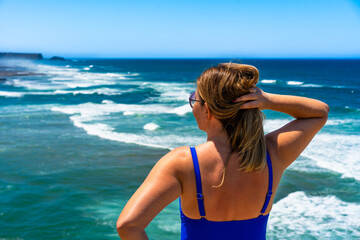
<point>338,86</point>
<point>273,124</point>
<point>101,109</point>
<point>320,217</point>
<point>268,81</point>
<point>334,122</point>
<point>83,116</point>
<point>169,91</point>
<point>91,66</point>
<point>176,94</point>
<point>104,91</point>
<point>336,152</point>
<point>11,94</point>
<point>182,110</point>
<point>33,85</point>
<point>128,113</point>
<point>339,153</point>
<point>66,77</point>
<point>106,132</point>
<point>107,102</point>
<point>294,83</point>
<point>151,126</point>
<point>312,85</point>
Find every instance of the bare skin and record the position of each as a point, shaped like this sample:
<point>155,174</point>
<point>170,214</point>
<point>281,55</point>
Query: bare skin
<point>173,175</point>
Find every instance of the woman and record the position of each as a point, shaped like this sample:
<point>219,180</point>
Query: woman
<point>227,184</point>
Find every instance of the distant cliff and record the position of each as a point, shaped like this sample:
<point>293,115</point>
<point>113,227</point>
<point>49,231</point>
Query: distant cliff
<point>31,56</point>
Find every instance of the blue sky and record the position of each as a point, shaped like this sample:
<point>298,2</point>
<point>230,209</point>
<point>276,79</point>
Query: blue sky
<point>194,28</point>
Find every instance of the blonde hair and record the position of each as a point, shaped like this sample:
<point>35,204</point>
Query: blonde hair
<point>218,87</point>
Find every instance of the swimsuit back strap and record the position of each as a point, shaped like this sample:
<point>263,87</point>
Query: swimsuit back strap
<point>199,193</point>
<point>269,192</point>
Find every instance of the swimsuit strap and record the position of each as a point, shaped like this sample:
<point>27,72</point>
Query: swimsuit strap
<point>269,192</point>
<point>199,194</point>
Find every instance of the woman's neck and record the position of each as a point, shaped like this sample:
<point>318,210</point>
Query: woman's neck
<point>219,139</point>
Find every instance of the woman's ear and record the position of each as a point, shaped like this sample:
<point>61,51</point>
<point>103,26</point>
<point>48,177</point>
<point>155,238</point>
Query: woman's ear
<point>208,112</point>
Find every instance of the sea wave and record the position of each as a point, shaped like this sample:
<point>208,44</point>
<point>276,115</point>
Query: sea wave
<point>294,83</point>
<point>299,216</point>
<point>336,122</point>
<point>100,91</point>
<point>94,109</point>
<point>268,81</point>
<point>336,152</point>
<point>58,77</point>
<point>312,85</point>
<point>106,132</point>
<point>82,116</point>
<point>170,91</point>
<point>11,94</point>
<point>273,124</point>
<point>151,126</point>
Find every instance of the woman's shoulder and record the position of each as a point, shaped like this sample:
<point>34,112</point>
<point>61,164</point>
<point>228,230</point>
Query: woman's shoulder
<point>179,158</point>
<point>179,161</point>
<point>184,153</point>
<point>179,153</point>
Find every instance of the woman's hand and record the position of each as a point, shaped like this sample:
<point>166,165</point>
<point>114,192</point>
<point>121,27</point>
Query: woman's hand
<point>257,98</point>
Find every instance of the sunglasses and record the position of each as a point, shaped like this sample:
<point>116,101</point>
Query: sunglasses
<point>192,99</point>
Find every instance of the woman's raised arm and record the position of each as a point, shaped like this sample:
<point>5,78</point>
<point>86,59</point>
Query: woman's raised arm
<point>290,140</point>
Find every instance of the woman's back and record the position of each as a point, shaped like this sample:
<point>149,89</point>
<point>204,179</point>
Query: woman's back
<point>227,224</point>
<point>241,195</point>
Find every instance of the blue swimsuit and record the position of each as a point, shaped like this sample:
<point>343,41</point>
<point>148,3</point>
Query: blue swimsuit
<point>254,228</point>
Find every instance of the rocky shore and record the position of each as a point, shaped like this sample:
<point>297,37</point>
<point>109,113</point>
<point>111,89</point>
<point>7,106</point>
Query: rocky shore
<point>7,71</point>
<point>9,68</point>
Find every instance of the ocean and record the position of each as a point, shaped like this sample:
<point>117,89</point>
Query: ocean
<point>78,137</point>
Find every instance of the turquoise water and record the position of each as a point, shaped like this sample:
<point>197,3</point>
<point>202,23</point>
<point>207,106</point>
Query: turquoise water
<point>77,140</point>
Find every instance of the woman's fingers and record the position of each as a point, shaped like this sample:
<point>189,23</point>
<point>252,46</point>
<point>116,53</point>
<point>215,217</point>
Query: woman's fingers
<point>254,93</point>
<point>248,105</point>
<point>246,97</point>
<point>254,99</point>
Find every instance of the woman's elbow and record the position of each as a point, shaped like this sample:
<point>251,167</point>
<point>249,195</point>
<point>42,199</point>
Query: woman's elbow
<point>126,227</point>
<point>123,226</point>
<point>120,226</point>
<point>324,115</point>
<point>324,111</point>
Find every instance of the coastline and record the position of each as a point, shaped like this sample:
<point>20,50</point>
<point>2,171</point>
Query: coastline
<point>7,71</point>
